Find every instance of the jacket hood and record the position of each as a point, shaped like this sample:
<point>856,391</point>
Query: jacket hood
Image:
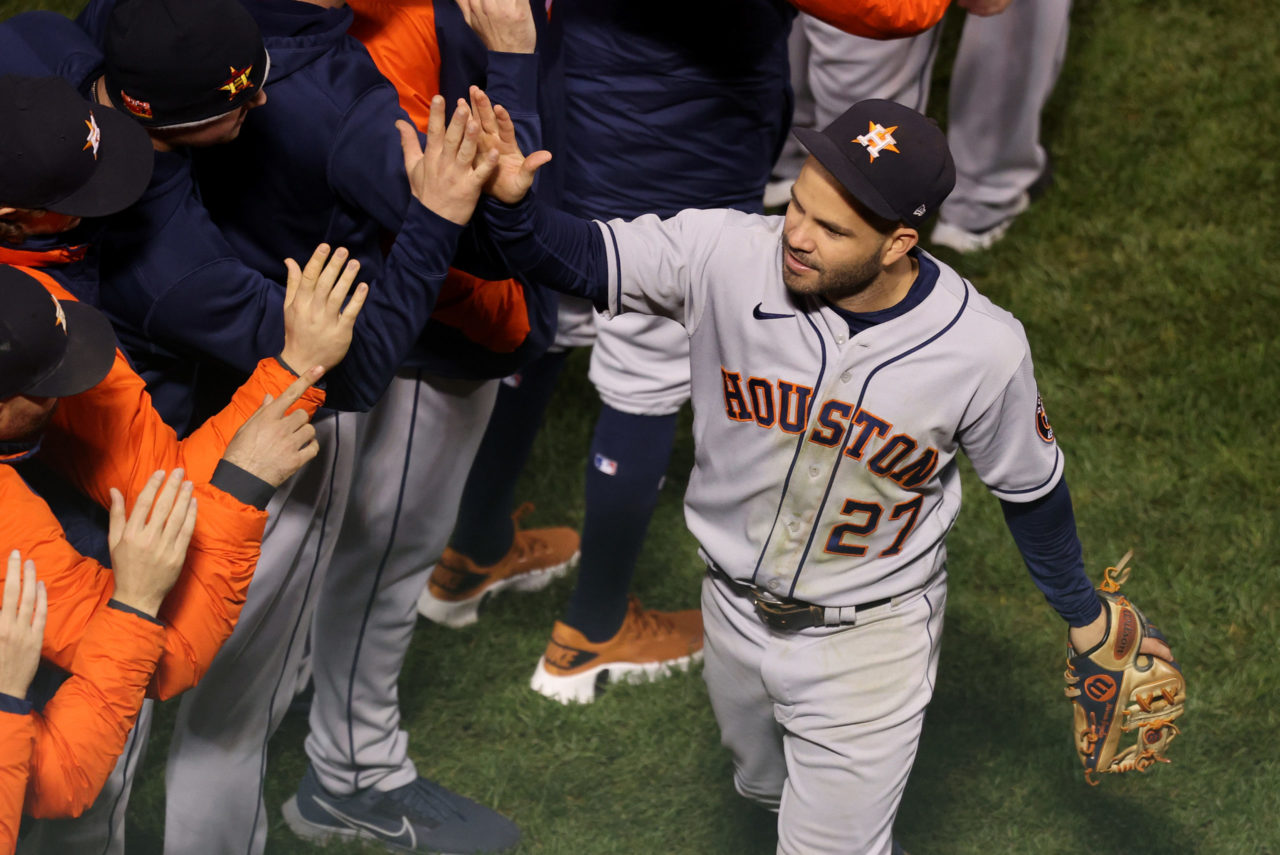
<point>297,33</point>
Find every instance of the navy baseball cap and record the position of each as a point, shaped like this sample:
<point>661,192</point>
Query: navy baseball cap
<point>63,154</point>
<point>889,157</point>
<point>49,348</point>
<point>183,62</point>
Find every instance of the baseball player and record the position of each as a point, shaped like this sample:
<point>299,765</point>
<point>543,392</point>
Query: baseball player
<point>715,106</point>
<point>837,371</point>
<point>1005,68</point>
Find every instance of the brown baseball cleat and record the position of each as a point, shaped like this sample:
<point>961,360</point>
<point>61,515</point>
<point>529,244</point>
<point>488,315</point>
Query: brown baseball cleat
<point>458,585</point>
<point>649,645</point>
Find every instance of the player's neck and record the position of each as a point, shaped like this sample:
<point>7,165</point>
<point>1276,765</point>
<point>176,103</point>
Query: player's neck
<point>886,290</point>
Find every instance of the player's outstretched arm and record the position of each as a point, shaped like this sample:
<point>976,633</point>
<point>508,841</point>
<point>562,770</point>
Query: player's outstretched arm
<point>74,742</point>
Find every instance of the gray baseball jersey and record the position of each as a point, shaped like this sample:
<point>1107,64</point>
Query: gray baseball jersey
<point>825,468</point>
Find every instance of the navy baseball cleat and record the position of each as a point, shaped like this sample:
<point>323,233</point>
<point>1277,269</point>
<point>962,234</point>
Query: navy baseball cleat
<point>421,816</point>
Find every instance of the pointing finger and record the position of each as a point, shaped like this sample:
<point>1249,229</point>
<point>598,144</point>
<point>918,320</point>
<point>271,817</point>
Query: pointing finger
<point>290,396</point>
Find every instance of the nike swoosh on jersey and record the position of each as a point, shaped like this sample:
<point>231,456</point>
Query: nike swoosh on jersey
<point>766,316</point>
<point>394,835</point>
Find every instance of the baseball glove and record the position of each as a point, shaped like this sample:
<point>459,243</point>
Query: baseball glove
<point>1120,695</point>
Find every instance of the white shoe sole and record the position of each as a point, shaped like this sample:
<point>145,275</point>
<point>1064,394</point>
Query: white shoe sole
<point>581,688</point>
<point>777,193</point>
<point>460,613</point>
<point>307,830</point>
<point>964,241</point>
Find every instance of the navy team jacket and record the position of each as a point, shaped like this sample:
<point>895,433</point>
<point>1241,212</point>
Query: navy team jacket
<point>321,161</point>
<point>673,104</point>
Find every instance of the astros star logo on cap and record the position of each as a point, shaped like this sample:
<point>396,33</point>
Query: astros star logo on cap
<point>877,139</point>
<point>237,82</point>
<point>95,135</point>
<point>60,317</point>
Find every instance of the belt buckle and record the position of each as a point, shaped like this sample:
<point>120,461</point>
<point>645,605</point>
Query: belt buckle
<point>784,616</point>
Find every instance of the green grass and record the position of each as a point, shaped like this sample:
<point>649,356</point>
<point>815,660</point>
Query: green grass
<point>1148,280</point>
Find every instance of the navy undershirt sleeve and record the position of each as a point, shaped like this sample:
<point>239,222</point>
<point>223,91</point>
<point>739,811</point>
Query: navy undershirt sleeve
<point>1045,532</point>
<point>556,249</point>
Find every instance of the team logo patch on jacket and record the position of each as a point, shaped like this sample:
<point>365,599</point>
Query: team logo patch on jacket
<point>1043,428</point>
<point>877,139</point>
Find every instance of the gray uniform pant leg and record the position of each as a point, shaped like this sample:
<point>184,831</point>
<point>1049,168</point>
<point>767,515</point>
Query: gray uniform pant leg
<point>1005,69</point>
<point>218,755</point>
<point>100,829</point>
<point>823,723</point>
<point>832,70</point>
<point>415,450</point>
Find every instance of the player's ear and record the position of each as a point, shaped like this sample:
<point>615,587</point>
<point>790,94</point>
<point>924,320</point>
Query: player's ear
<point>897,244</point>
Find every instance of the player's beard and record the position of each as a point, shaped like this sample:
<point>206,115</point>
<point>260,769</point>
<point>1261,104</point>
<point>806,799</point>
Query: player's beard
<point>833,283</point>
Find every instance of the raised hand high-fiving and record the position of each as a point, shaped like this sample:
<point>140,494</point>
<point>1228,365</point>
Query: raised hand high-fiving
<point>450,173</point>
<point>515,171</point>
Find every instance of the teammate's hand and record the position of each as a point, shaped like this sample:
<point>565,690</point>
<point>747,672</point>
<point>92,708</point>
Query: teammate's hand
<point>983,8</point>
<point>448,176</point>
<point>274,443</point>
<point>503,25</point>
<point>22,617</point>
<point>317,328</point>
<point>515,172</point>
<point>149,545</point>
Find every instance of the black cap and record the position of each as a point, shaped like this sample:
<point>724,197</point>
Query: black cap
<point>888,157</point>
<point>49,349</point>
<point>63,154</point>
<point>181,62</point>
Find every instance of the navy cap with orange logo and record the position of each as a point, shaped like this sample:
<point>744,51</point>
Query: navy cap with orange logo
<point>49,349</point>
<point>63,154</point>
<point>183,62</point>
<point>889,157</point>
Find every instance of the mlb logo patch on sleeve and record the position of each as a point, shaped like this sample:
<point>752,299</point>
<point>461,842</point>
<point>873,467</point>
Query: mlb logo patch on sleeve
<point>606,465</point>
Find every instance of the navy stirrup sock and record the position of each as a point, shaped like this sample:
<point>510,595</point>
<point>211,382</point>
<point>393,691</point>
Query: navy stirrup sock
<point>484,532</point>
<point>629,456</point>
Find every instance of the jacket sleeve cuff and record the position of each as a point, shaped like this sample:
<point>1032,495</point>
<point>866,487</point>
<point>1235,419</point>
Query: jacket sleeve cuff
<point>513,81</point>
<point>17,706</point>
<point>427,242</point>
<point>242,485</point>
<point>121,607</point>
